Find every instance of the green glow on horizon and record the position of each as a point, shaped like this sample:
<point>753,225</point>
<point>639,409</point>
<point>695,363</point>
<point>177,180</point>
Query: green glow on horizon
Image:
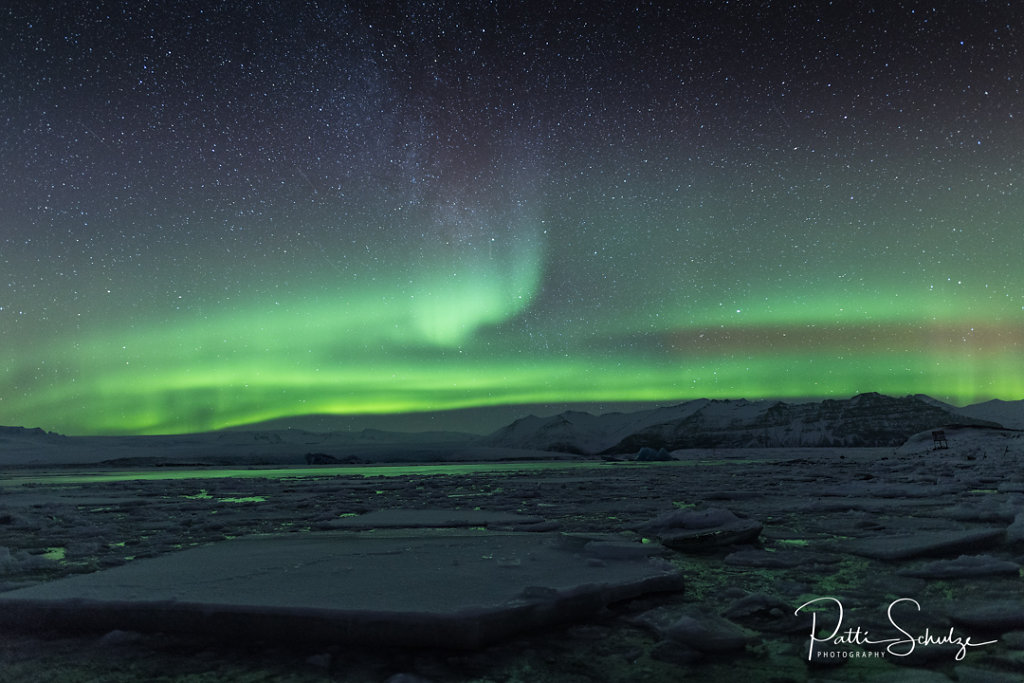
<point>215,374</point>
<point>464,333</point>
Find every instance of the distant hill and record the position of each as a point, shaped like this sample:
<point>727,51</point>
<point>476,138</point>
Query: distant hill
<point>1009,414</point>
<point>18,433</point>
<point>864,420</point>
<point>472,422</point>
<point>583,433</point>
<point>15,437</point>
<point>36,447</point>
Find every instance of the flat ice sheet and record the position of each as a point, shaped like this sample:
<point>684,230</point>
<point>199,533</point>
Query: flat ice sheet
<point>409,519</point>
<point>427,588</point>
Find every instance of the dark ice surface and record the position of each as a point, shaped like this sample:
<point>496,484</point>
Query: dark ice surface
<point>420,589</point>
<point>909,544</point>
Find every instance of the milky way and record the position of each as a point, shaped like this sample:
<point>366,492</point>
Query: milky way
<point>215,214</point>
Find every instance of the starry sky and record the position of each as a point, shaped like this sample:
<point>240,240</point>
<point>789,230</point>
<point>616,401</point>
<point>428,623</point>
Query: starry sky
<point>215,213</point>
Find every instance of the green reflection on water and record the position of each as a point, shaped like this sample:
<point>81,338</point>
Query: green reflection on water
<point>158,474</point>
<point>57,554</point>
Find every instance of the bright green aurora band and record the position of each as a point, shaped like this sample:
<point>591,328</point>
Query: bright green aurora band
<point>473,333</point>
<point>617,240</point>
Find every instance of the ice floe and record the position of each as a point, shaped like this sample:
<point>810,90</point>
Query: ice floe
<point>923,544</point>
<point>439,589</point>
<point>702,530</point>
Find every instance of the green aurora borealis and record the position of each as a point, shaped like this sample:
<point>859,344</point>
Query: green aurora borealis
<point>351,216</point>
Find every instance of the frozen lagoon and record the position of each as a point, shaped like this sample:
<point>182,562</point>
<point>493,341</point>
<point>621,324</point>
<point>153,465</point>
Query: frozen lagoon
<point>819,509</point>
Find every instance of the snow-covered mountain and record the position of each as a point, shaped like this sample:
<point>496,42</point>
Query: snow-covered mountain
<point>1010,414</point>
<point>584,433</point>
<point>864,420</point>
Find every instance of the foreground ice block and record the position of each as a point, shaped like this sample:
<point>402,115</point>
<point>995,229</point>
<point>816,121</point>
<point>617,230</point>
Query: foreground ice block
<point>429,588</point>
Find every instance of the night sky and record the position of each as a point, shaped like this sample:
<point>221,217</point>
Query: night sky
<point>214,213</point>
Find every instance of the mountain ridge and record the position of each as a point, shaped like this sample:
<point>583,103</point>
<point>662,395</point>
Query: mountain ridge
<point>869,419</point>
